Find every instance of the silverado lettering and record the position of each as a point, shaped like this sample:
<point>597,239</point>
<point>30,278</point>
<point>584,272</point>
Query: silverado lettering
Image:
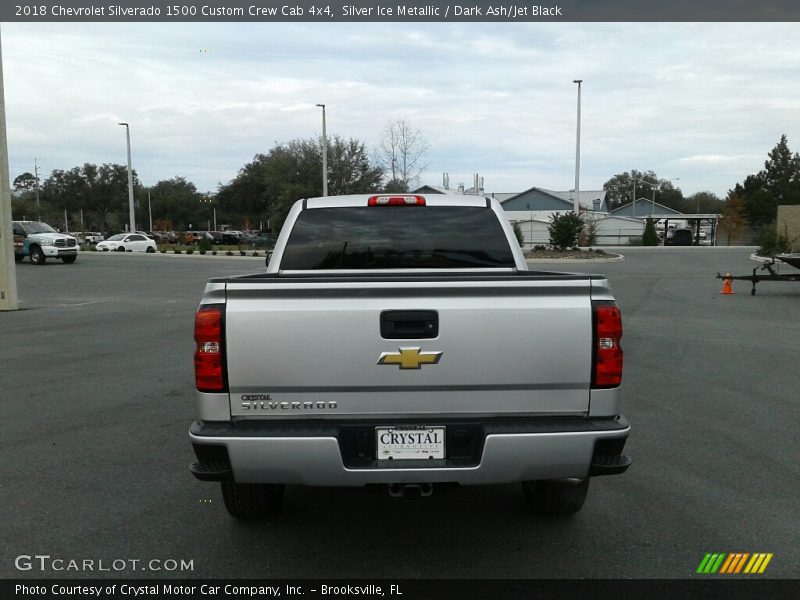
<point>261,405</point>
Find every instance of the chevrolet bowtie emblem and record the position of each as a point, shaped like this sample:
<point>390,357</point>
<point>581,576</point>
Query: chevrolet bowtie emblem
<point>409,358</point>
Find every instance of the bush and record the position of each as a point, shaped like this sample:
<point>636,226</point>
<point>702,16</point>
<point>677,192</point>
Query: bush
<point>190,251</point>
<point>163,251</point>
<point>214,252</point>
<point>202,251</point>
<point>205,244</point>
<point>588,236</point>
<point>518,233</point>
<point>649,237</point>
<point>242,253</point>
<point>255,253</point>
<point>564,230</point>
<point>177,251</point>
<point>771,242</point>
<point>229,253</point>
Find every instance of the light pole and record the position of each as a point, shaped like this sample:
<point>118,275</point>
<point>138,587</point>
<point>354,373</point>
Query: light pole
<point>208,199</point>
<point>36,176</point>
<point>149,210</point>
<point>324,154</point>
<point>132,215</point>
<point>576,203</point>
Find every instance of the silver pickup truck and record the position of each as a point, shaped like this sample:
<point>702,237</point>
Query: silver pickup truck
<point>401,340</point>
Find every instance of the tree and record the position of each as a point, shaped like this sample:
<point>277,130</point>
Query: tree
<point>734,218</point>
<point>23,207</point>
<point>649,237</point>
<point>350,169</point>
<point>25,182</point>
<point>100,190</point>
<point>619,189</point>
<point>778,183</point>
<point>564,229</point>
<point>176,201</point>
<point>702,203</point>
<point>401,154</point>
<point>266,188</point>
<point>757,202</point>
<point>108,191</point>
<point>782,174</point>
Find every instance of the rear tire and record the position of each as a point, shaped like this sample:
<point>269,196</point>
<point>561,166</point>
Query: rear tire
<point>250,501</point>
<point>150,250</point>
<point>37,256</point>
<point>555,498</point>
<point>18,257</point>
<point>69,259</point>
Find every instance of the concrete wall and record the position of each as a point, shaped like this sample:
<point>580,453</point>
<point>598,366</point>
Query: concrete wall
<point>789,224</point>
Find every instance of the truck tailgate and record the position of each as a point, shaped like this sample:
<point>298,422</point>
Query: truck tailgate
<point>310,347</point>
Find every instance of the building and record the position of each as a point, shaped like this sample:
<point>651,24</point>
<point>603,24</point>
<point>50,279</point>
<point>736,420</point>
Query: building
<point>539,200</point>
<point>532,211</point>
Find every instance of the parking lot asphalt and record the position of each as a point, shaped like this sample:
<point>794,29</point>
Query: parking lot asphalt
<point>97,397</point>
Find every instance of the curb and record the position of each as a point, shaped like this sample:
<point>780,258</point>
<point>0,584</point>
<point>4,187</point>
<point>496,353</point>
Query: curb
<point>610,259</point>
<point>761,259</point>
<point>260,257</point>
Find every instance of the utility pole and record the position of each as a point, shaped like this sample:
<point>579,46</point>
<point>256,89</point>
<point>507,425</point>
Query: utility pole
<point>8,272</point>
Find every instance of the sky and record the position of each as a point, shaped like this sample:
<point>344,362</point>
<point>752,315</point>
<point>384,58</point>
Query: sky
<point>702,103</point>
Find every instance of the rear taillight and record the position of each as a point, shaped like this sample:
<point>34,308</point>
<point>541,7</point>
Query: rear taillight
<point>209,358</point>
<point>607,352</point>
<point>396,200</point>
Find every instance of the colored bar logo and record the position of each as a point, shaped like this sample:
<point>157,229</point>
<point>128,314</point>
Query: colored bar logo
<point>734,563</point>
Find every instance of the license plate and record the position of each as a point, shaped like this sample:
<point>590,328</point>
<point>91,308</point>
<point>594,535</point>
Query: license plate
<point>409,442</point>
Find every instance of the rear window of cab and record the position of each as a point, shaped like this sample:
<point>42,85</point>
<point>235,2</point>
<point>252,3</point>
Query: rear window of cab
<point>397,237</point>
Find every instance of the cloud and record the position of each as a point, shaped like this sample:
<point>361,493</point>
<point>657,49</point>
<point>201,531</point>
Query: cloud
<point>703,102</point>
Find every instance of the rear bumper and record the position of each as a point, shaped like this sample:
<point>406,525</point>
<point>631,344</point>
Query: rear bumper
<point>341,454</point>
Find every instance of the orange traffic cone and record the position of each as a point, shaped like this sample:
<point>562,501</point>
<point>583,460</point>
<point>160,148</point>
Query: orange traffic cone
<point>726,285</point>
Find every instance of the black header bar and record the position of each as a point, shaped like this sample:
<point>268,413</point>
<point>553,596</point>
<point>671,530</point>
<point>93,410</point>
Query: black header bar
<point>362,11</point>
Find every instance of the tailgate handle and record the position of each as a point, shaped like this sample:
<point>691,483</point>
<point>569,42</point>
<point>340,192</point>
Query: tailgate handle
<point>409,324</point>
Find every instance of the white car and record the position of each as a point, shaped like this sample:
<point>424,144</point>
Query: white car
<point>127,242</point>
